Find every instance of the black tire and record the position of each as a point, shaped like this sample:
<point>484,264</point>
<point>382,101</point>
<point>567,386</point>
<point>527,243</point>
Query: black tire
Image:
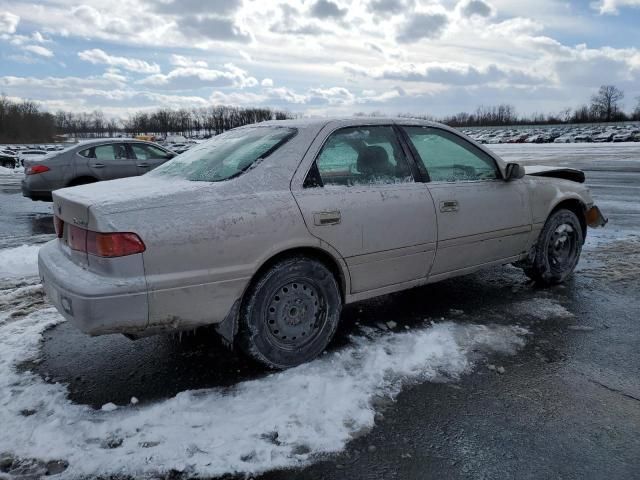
<point>290,313</point>
<point>558,249</point>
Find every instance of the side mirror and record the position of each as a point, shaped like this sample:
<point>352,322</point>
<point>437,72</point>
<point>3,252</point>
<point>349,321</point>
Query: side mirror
<point>513,171</point>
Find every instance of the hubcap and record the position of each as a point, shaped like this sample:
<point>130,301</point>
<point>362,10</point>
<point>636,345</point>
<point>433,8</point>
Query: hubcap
<point>295,314</point>
<point>562,247</point>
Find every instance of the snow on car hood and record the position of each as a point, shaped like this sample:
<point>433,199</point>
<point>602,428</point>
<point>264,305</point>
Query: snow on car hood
<point>564,173</point>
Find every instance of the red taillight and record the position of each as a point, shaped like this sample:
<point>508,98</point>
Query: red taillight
<point>58,224</point>
<point>108,245</point>
<point>114,244</point>
<point>36,169</point>
<point>76,238</point>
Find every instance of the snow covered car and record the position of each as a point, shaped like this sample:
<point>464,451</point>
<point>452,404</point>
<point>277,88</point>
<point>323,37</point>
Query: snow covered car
<point>266,231</point>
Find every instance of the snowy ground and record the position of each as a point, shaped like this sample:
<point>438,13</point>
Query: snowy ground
<point>284,419</point>
<point>457,334</point>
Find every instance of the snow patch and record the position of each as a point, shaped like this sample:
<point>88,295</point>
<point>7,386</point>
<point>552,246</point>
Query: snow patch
<point>285,419</point>
<point>19,262</point>
<point>541,309</point>
<point>11,171</point>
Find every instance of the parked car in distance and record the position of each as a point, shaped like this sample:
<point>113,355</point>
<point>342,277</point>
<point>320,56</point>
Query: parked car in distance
<point>266,231</point>
<point>89,162</point>
<point>175,139</point>
<point>179,147</point>
<point>8,160</point>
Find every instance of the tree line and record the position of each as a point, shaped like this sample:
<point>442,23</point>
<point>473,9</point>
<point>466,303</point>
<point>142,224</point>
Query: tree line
<point>209,121</point>
<point>604,107</point>
<point>25,122</point>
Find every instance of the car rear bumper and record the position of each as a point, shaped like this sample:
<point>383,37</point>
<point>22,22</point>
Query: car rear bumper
<point>44,195</point>
<point>94,303</point>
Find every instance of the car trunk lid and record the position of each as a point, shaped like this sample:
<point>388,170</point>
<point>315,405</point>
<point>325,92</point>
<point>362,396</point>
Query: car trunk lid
<point>119,205</point>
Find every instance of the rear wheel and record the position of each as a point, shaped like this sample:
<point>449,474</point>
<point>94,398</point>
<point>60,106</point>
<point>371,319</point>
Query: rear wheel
<point>290,313</point>
<point>558,249</point>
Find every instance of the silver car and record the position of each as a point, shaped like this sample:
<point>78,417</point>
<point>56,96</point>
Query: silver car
<point>266,231</point>
<point>88,162</point>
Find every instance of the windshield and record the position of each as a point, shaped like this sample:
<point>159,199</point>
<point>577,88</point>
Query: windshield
<point>227,155</point>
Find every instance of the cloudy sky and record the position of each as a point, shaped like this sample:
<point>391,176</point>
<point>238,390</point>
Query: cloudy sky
<point>318,57</point>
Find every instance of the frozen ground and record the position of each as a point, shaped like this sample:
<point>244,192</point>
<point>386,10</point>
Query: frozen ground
<point>479,377</point>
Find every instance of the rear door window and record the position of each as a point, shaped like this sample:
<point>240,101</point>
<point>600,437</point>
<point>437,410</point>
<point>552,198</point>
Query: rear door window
<point>362,156</point>
<point>88,153</point>
<point>113,151</point>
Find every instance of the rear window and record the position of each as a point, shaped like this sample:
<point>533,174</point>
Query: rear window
<point>227,155</point>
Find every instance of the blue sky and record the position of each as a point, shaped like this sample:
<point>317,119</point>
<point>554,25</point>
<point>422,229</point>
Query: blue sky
<point>318,57</point>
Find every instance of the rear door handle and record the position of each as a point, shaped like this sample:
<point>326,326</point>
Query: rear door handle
<point>327,218</point>
<point>449,206</point>
<point>98,165</point>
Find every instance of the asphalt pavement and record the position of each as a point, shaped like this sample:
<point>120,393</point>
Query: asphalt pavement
<point>565,406</point>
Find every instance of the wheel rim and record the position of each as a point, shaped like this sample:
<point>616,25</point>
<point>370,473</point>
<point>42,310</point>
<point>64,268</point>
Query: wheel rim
<point>295,315</point>
<point>562,249</point>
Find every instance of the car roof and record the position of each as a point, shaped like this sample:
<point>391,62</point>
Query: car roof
<point>347,121</point>
<point>104,141</point>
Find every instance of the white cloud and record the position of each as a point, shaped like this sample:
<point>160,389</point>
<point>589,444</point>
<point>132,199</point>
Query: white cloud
<point>187,78</point>
<point>612,7</point>
<point>332,96</point>
<point>327,9</point>
<point>8,22</point>
<point>312,98</point>
<point>38,50</point>
<point>465,51</point>
<point>60,85</point>
<point>421,26</point>
<point>182,61</point>
<point>87,14</point>
<point>213,28</point>
<point>448,73</point>
<point>97,57</point>
<point>476,8</point>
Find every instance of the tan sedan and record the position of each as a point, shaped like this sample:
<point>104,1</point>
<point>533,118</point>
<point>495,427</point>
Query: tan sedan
<point>268,230</point>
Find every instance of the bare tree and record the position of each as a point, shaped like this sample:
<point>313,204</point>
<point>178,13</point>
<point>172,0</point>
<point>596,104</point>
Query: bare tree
<point>606,103</point>
<point>565,114</point>
<point>636,112</point>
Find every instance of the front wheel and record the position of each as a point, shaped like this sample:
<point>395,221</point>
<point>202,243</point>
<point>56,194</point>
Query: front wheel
<point>290,313</point>
<point>558,249</point>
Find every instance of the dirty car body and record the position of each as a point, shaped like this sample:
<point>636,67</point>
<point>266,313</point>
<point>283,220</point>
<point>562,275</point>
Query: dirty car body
<point>267,230</point>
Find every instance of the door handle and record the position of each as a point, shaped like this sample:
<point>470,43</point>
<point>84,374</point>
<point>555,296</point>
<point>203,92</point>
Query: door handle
<point>327,218</point>
<point>143,164</point>
<point>449,206</point>
<point>98,165</point>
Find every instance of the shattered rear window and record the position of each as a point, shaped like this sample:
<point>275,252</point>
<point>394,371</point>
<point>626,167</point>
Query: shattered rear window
<point>226,155</point>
